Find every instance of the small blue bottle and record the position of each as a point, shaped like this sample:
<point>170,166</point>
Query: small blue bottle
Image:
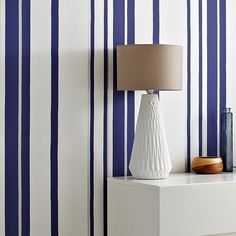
<point>226,139</point>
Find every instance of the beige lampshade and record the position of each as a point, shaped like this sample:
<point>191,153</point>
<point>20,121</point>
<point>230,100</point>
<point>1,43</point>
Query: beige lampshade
<point>149,67</point>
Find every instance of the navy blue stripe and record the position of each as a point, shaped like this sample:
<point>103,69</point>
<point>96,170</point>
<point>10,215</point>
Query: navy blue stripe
<point>54,118</point>
<point>118,96</point>
<point>200,77</point>
<point>155,21</point>
<point>130,94</point>
<point>156,25</point>
<point>11,117</point>
<point>105,89</point>
<point>222,54</point>
<point>92,121</point>
<point>212,77</point>
<point>25,135</point>
<point>131,22</point>
<point>188,85</point>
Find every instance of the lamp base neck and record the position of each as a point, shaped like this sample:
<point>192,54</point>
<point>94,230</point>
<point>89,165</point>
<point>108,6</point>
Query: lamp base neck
<point>150,91</point>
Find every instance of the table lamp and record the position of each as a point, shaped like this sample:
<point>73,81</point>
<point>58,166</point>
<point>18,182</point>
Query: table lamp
<point>149,67</point>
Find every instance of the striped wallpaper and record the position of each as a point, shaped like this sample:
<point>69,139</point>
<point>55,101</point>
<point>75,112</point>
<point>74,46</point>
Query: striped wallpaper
<point>63,126</point>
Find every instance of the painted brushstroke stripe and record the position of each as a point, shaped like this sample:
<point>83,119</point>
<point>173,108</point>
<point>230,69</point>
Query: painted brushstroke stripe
<point>118,96</point>
<point>54,117</point>
<point>25,119</point>
<point>11,117</point>
<point>218,78</point>
<point>130,94</point>
<point>222,54</point>
<point>188,86</point>
<point>125,93</point>
<point>212,77</point>
<point>105,117</point>
<point>20,120</point>
<point>200,78</point>
<point>2,118</point>
<point>131,22</point>
<point>155,21</point>
<point>130,127</point>
<point>155,26</point>
<point>125,130</point>
<point>92,120</point>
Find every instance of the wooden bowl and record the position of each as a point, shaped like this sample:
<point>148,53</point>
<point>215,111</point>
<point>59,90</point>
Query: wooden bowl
<point>207,165</point>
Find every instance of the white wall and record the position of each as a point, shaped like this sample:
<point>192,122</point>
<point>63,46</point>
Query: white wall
<point>81,200</point>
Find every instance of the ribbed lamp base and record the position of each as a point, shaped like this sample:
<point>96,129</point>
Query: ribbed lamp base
<point>150,156</point>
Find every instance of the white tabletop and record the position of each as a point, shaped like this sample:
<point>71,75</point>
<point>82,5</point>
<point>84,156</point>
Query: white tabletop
<point>177,180</point>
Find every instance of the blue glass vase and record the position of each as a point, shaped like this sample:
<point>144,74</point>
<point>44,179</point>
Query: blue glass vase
<point>226,139</point>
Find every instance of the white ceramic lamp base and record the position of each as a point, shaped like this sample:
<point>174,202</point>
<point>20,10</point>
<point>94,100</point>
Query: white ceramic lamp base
<point>150,156</point>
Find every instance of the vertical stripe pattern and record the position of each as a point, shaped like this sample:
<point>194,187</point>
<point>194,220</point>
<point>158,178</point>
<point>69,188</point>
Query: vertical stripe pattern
<point>222,54</point>
<point>25,130</point>
<point>156,21</point>
<point>105,117</point>
<point>188,87</point>
<point>92,121</point>
<point>54,118</point>
<point>118,96</point>
<point>11,117</point>
<point>200,78</point>
<point>2,118</point>
<point>204,77</point>
<point>156,25</point>
<point>212,77</point>
<point>64,127</point>
<point>130,94</point>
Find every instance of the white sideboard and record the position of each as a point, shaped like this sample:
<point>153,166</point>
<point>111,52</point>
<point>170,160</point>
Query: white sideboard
<point>181,205</point>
